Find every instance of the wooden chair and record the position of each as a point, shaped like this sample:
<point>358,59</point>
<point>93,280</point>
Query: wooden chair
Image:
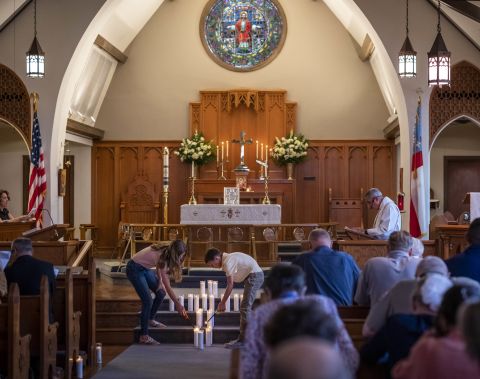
<point>68,336</point>
<point>346,211</point>
<point>34,320</point>
<point>141,203</point>
<point>14,349</point>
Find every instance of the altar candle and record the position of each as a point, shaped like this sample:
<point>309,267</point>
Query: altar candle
<point>266,154</point>
<point>195,336</point>
<point>210,318</point>
<point>218,158</point>
<point>196,303</point>
<point>212,302</point>
<point>227,150</point>
<point>181,300</point>
<point>261,152</point>
<point>199,318</point>
<point>204,302</point>
<point>208,336</point>
<point>235,303</point>
<point>171,305</point>
<point>98,353</point>
<point>256,149</point>
<point>79,367</point>
<point>190,302</point>
<point>223,145</point>
<point>210,287</point>
<point>201,345</point>
<point>215,288</point>
<point>165,165</point>
<point>202,287</point>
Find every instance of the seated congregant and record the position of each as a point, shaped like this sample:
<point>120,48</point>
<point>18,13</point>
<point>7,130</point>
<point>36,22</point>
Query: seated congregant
<point>441,354</point>
<point>5,215</point>
<point>382,273</point>
<point>388,218</point>
<point>401,331</point>
<point>328,272</point>
<point>285,285</point>
<point>468,262</point>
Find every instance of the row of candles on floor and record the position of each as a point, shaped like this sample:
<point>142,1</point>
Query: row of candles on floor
<point>79,363</point>
<point>208,302</point>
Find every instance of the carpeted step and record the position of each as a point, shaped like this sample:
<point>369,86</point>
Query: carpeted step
<point>184,334</point>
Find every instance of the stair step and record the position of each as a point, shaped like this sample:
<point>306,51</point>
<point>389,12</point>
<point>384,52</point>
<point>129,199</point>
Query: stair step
<point>115,336</point>
<point>184,334</point>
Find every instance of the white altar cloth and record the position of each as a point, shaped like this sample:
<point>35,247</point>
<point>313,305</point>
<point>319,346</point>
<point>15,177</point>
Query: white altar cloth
<point>218,214</point>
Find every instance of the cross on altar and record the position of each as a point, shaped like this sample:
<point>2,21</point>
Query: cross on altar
<point>242,141</point>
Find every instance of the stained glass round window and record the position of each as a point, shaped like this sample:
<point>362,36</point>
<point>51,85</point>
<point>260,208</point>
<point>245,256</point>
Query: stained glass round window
<point>243,35</point>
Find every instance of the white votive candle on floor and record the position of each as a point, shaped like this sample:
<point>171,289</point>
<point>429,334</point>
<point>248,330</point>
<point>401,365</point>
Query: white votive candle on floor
<point>201,345</point>
<point>215,289</point>
<point>79,367</point>
<point>210,287</point>
<point>98,352</point>
<point>199,318</point>
<point>204,302</point>
<point>236,307</point>
<point>212,303</point>
<point>181,300</point>
<point>210,318</point>
<point>171,305</point>
<point>227,304</point>
<point>196,303</point>
<point>195,336</point>
<point>190,302</point>
<point>202,287</point>
<point>208,336</point>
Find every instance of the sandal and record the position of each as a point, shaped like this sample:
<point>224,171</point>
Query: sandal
<point>147,340</point>
<point>156,324</point>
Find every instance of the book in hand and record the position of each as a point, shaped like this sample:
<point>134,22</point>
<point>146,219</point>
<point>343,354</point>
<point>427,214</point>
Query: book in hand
<point>357,234</point>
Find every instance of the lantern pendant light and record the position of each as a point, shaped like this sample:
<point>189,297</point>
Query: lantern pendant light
<point>407,57</point>
<point>439,59</point>
<point>35,55</point>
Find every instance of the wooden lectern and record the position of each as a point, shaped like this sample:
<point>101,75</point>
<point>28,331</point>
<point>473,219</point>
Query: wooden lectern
<point>53,232</point>
<point>11,230</point>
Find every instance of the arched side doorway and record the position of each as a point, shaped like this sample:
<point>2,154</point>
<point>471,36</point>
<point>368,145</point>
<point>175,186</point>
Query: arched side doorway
<point>455,140</point>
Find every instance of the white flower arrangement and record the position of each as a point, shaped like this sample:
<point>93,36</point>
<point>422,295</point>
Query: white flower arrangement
<point>290,149</point>
<point>196,149</point>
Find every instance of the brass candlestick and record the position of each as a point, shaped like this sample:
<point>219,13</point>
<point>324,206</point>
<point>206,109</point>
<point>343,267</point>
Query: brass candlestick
<point>192,200</point>
<point>266,199</point>
<point>220,165</point>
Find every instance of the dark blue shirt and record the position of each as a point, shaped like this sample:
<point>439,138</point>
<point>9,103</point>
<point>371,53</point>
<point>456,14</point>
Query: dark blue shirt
<point>330,273</point>
<point>466,264</point>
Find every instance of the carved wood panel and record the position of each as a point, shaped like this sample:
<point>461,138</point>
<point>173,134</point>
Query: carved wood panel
<point>357,171</point>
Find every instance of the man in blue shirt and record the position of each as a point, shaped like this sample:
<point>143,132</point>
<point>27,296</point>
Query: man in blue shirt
<point>328,272</point>
<point>468,263</point>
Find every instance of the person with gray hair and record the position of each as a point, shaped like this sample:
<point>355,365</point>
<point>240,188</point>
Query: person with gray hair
<point>388,218</point>
<point>382,273</point>
<point>328,272</point>
<point>307,358</point>
<point>417,248</point>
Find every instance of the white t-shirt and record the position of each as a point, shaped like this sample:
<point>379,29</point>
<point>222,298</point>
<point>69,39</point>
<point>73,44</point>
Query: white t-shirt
<point>239,266</point>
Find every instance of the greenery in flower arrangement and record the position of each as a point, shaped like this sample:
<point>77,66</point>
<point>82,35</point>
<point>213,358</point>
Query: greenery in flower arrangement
<point>196,149</point>
<point>290,149</point>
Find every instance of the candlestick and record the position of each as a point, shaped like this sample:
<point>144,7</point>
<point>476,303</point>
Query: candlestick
<point>199,318</point>
<point>202,287</point>
<point>227,150</point>
<point>215,288</point>
<point>210,318</point>
<point>190,302</point>
<point>196,303</point>
<point>195,336</point>
<point>208,336</point>
<point>98,352</point>
<point>210,287</point>
<point>236,307</point>
<point>223,145</point>
<point>256,149</point>
<point>218,158</point>
<point>181,300</point>
<point>212,302</point>
<point>204,302</point>
<point>201,345</point>
<point>266,154</point>
<point>261,152</point>
<point>79,367</point>
<point>171,305</point>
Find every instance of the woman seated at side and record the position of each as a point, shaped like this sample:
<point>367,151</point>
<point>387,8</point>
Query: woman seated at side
<point>5,215</point>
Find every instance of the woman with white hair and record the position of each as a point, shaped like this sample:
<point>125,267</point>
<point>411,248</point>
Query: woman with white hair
<point>402,331</point>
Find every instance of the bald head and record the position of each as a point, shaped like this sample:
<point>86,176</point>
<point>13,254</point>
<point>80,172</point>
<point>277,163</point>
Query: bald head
<point>307,358</point>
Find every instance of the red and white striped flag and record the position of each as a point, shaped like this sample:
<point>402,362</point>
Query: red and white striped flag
<point>37,185</point>
<point>418,216</point>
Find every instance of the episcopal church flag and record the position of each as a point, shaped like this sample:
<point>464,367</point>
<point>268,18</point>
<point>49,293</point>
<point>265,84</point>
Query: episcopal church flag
<point>37,184</point>
<point>418,223</point>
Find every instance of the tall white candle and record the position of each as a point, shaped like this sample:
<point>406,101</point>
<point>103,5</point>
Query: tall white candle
<point>227,304</point>
<point>171,305</point>
<point>210,318</point>
<point>165,165</point>
<point>236,307</point>
<point>256,149</point>
<point>204,302</point>
<point>201,345</point>
<point>227,151</point>
<point>210,287</point>
<point>196,303</point>
<point>208,336</point>
<point>199,318</point>
<point>195,336</point>
<point>215,288</point>
<point>223,145</point>
<point>212,303</point>
<point>266,154</point>
<point>218,158</point>
<point>190,302</point>
<point>202,287</point>
<point>261,152</point>
<point>181,300</point>
<point>98,352</point>
<point>79,367</point>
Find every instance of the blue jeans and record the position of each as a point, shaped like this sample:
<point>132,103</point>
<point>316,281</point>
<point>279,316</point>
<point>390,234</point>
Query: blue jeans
<point>145,280</point>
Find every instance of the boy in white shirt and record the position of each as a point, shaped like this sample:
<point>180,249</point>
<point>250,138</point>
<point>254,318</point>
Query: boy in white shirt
<point>238,267</point>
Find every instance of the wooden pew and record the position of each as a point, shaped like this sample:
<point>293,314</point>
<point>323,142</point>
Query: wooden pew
<point>68,332</point>
<point>34,320</point>
<point>14,349</point>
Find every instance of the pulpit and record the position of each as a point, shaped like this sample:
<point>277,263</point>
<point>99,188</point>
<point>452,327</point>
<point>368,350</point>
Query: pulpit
<point>11,230</point>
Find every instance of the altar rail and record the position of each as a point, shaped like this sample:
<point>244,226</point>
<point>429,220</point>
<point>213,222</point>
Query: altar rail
<point>260,241</point>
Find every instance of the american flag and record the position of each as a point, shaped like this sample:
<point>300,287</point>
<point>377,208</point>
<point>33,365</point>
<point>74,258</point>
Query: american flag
<point>37,185</point>
<point>418,221</point>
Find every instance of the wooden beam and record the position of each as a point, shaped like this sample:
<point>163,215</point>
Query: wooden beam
<point>106,46</point>
<point>367,49</point>
<point>464,7</point>
<point>84,130</point>
<point>392,130</point>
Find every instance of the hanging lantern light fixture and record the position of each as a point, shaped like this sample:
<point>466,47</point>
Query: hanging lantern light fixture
<point>439,59</point>
<point>35,55</point>
<point>407,57</point>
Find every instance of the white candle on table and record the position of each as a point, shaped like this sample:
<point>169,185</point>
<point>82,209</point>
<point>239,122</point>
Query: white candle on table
<point>201,345</point>
<point>261,152</point>
<point>190,302</point>
<point>266,154</point>
<point>212,303</point>
<point>235,303</point>
<point>171,305</point>
<point>208,336</point>
<point>210,287</point>
<point>218,158</point>
<point>227,151</point>
<point>199,318</point>
<point>204,302</point>
<point>98,352</point>
<point>210,318</point>
<point>202,287</point>
<point>223,145</point>
<point>195,336</point>
<point>79,367</point>
<point>196,303</point>
<point>215,288</point>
